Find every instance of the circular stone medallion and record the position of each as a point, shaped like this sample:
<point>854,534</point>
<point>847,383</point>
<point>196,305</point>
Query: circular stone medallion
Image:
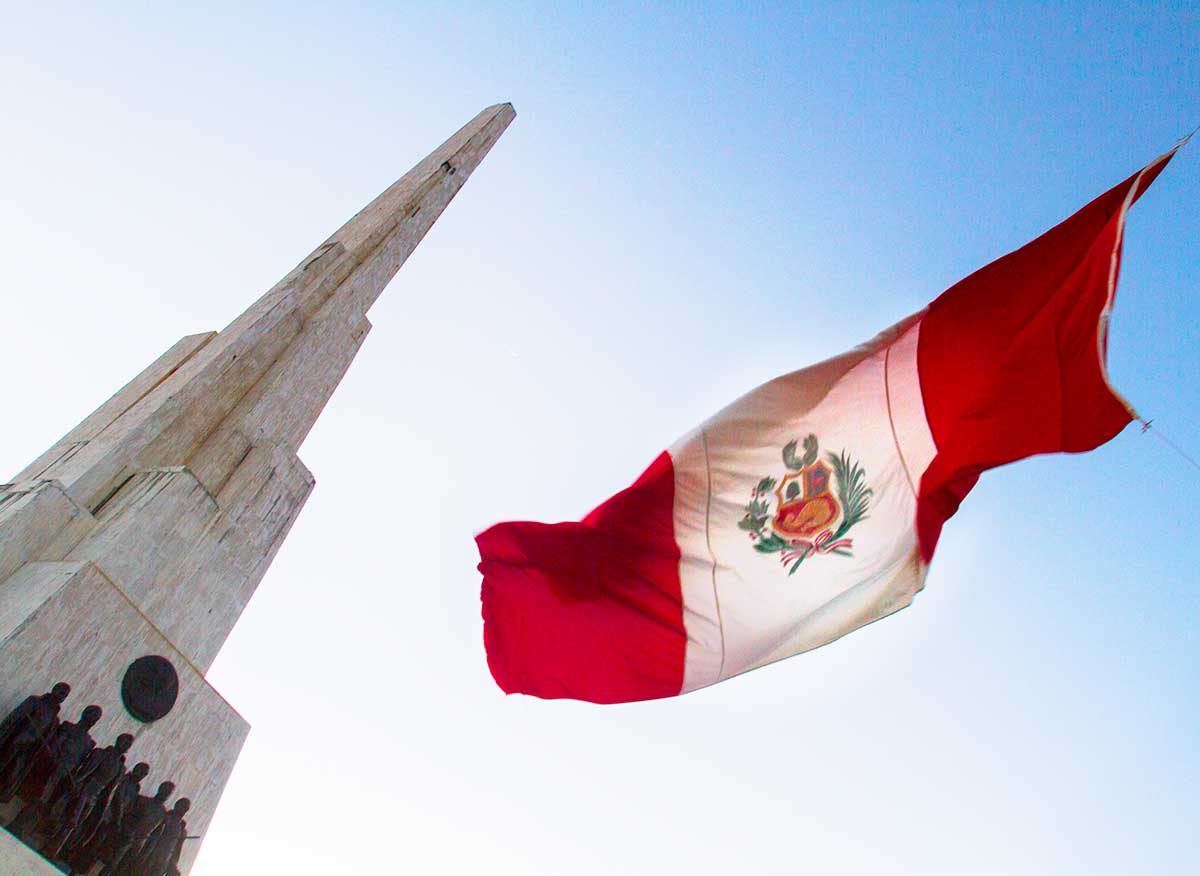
<point>149,688</point>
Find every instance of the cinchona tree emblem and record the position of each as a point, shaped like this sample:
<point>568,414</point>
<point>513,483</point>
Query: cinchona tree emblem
<point>798,516</point>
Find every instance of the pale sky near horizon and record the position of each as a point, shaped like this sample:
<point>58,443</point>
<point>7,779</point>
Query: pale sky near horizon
<point>692,199</point>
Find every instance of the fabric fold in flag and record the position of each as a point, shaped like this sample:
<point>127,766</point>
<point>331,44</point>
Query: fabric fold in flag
<point>812,505</point>
<point>589,610</point>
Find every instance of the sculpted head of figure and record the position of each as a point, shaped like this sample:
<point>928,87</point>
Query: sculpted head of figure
<point>123,742</point>
<point>182,805</point>
<point>140,770</point>
<point>60,692</point>
<point>165,790</point>
<point>90,716</point>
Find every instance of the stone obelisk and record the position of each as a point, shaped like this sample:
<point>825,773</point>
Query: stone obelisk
<point>129,548</point>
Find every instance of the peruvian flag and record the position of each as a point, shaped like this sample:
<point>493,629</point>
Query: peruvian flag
<point>812,505</point>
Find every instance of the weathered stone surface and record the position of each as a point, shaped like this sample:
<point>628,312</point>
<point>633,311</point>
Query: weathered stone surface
<point>38,521</point>
<point>125,398</point>
<point>187,564</point>
<point>203,408</point>
<point>285,403</point>
<point>147,528</point>
<point>18,860</point>
<point>168,424</point>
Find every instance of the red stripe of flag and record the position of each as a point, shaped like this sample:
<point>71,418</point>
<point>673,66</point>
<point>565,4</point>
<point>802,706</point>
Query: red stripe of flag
<point>589,610</point>
<point>1011,358</point>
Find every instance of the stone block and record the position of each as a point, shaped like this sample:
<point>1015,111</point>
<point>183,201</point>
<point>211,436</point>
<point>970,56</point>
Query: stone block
<point>188,564</point>
<point>39,520</point>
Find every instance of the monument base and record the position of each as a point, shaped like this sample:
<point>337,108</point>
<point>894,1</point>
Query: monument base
<point>68,621</point>
<point>17,859</point>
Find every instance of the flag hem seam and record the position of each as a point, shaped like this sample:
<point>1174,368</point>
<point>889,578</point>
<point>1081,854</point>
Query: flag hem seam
<point>887,393</point>
<point>711,554</point>
<point>1106,313</point>
<point>1114,262</point>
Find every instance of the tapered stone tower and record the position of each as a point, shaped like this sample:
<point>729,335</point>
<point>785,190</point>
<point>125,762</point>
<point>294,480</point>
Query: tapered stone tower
<point>145,530</point>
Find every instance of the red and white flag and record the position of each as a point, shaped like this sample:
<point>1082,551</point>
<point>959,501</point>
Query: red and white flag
<point>812,505</point>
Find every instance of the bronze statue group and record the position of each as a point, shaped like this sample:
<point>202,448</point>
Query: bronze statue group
<point>80,807</point>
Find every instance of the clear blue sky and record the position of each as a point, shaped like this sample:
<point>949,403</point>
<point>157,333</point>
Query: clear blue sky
<point>691,200</point>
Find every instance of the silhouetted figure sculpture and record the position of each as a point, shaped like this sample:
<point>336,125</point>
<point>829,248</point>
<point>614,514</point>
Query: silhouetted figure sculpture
<point>95,777</point>
<point>25,735</point>
<point>104,828</point>
<point>123,797</point>
<point>79,801</point>
<point>160,853</point>
<point>144,815</point>
<point>66,751</point>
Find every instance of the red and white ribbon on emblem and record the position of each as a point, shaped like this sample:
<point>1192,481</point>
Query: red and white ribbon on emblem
<point>822,544</point>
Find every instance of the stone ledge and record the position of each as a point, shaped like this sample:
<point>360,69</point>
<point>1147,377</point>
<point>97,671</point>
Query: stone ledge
<point>17,859</point>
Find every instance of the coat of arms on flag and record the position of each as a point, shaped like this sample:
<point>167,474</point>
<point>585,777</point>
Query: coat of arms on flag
<point>807,519</point>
